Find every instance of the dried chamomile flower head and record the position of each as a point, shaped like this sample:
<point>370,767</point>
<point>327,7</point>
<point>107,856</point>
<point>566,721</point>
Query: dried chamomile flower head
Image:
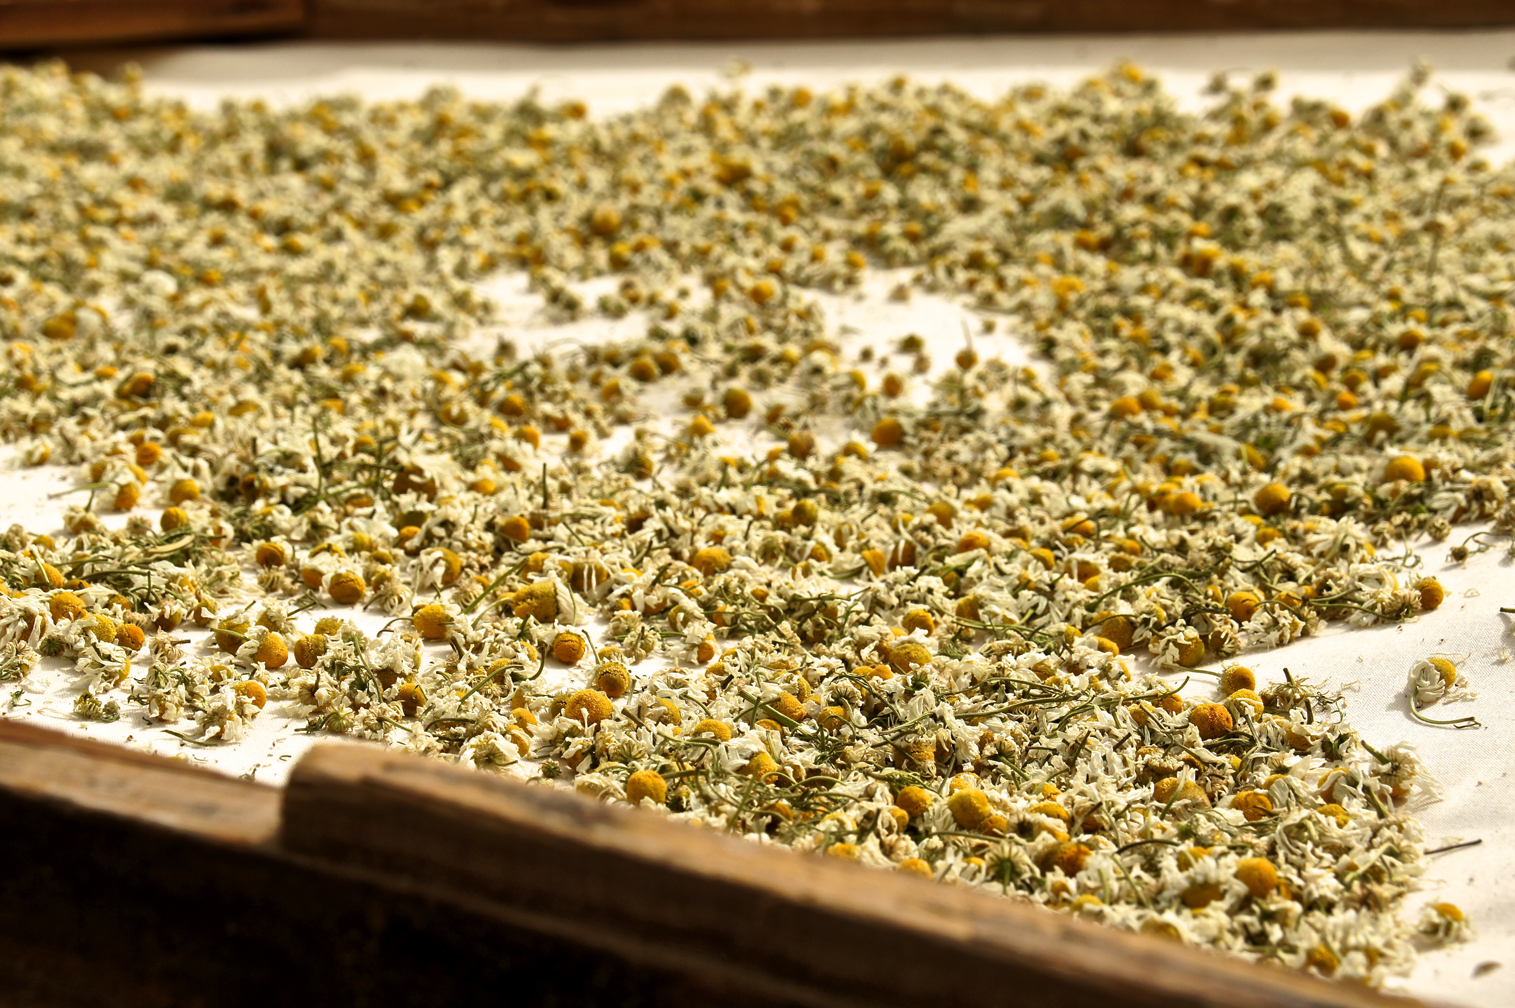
<point>729,564</point>
<point>1444,922</point>
<point>1437,679</point>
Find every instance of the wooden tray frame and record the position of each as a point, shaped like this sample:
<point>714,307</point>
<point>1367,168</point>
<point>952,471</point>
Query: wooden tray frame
<point>642,20</point>
<point>378,878</point>
<point>31,23</point>
<point>35,23</point>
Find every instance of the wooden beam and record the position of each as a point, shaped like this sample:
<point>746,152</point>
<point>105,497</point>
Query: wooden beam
<point>27,24</point>
<point>91,776</point>
<point>137,882</point>
<point>33,23</point>
<point>603,20</point>
<point>775,925</point>
<point>380,878</point>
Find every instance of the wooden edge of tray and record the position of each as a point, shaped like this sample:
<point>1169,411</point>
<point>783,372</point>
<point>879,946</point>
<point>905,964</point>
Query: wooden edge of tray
<point>131,881</point>
<point>793,927</point>
<point>586,20</point>
<point>35,23</point>
<point>139,880</point>
<point>91,776</point>
<point>28,23</point>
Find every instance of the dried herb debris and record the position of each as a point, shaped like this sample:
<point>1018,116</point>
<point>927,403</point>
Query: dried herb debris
<point>792,593</point>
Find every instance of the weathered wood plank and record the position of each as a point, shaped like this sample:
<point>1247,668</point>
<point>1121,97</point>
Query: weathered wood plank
<point>109,779</point>
<point>588,20</point>
<point>763,920</point>
<point>144,898</point>
<point>27,23</point>
<point>134,880</point>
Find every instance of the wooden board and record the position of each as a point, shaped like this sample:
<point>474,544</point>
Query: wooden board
<point>29,23</point>
<point>584,20</point>
<point>110,780</point>
<point>180,896</point>
<point>131,880</point>
<point>788,927</point>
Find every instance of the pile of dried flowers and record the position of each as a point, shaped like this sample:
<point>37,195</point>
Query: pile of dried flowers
<point>809,608</point>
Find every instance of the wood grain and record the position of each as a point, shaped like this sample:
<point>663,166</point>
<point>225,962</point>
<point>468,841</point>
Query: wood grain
<point>158,905</point>
<point>112,780</point>
<point>764,921</point>
<point>29,23</point>
<point>601,20</point>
